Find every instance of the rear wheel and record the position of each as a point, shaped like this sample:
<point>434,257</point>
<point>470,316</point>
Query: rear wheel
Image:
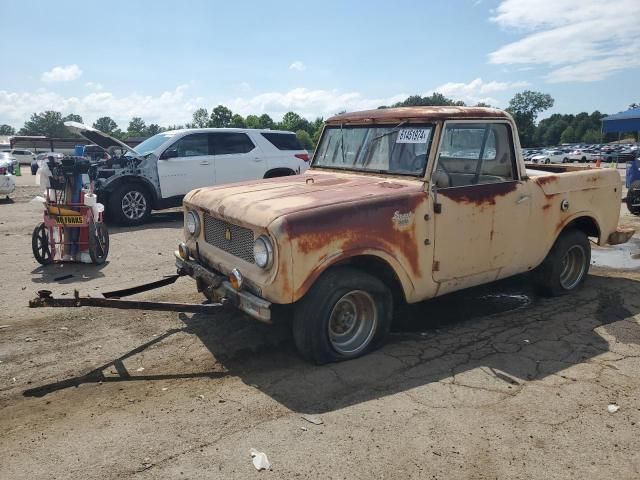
<point>566,265</point>
<point>345,314</point>
<point>546,161</point>
<point>40,245</point>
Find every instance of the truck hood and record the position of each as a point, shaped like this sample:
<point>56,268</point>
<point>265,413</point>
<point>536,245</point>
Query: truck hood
<point>259,203</point>
<point>99,138</point>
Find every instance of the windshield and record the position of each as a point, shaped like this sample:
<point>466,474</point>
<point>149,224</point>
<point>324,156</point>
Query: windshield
<point>150,144</point>
<point>400,149</point>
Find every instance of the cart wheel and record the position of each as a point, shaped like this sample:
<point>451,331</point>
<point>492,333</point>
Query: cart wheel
<point>40,245</point>
<point>98,243</point>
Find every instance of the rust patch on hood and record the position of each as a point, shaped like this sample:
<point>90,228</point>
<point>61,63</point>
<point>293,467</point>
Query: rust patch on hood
<point>544,180</point>
<point>480,194</point>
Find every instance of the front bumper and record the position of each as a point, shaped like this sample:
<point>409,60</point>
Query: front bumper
<point>217,288</point>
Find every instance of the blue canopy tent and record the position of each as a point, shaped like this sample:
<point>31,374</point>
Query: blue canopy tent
<point>627,121</point>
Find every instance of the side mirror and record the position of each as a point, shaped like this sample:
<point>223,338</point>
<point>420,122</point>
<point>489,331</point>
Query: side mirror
<point>170,153</point>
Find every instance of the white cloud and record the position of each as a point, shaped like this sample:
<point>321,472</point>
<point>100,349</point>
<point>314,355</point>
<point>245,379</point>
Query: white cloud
<point>170,107</point>
<point>62,74</point>
<point>94,85</point>
<point>476,90</point>
<point>571,37</point>
<point>297,65</point>
<point>308,103</point>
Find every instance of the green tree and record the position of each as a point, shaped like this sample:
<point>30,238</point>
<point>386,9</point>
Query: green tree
<point>47,123</point>
<point>72,117</point>
<point>237,121</point>
<point>568,135</point>
<point>291,121</point>
<point>305,139</point>
<point>136,127</point>
<point>7,129</point>
<point>525,108</point>
<point>252,121</point>
<point>200,118</point>
<point>266,121</point>
<point>152,130</point>
<point>434,100</point>
<point>591,136</point>
<point>220,117</point>
<point>105,124</point>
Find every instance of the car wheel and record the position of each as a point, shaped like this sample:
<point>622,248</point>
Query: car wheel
<point>130,205</point>
<point>633,199</point>
<point>547,161</point>
<point>566,265</point>
<point>565,160</point>
<point>345,314</point>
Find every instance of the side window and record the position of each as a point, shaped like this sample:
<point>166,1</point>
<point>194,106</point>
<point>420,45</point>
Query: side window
<point>228,143</point>
<point>194,145</point>
<point>475,153</point>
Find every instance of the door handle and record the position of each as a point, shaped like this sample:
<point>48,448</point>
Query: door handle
<point>204,162</point>
<point>522,199</point>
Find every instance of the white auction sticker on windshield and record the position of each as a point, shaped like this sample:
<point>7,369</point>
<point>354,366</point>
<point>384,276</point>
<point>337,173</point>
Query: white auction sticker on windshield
<point>413,135</point>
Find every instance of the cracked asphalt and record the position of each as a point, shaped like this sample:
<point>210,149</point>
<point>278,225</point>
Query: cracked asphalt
<point>487,383</point>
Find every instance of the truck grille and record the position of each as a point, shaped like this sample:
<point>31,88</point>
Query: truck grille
<point>237,241</point>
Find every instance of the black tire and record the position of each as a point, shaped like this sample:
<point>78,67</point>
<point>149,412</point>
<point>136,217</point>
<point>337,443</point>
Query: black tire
<point>633,198</point>
<point>98,243</point>
<point>565,160</point>
<point>547,161</point>
<point>340,287</point>
<point>129,205</point>
<point>566,265</point>
<point>40,245</point>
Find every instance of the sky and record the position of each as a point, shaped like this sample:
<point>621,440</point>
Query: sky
<point>162,60</point>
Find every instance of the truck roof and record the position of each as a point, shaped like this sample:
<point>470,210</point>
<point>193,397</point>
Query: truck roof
<point>418,114</point>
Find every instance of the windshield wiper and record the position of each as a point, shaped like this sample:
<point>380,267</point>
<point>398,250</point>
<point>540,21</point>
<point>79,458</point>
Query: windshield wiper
<point>374,139</point>
<point>342,143</point>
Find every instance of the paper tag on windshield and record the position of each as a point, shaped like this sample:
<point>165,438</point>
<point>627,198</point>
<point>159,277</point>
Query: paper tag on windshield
<point>413,135</point>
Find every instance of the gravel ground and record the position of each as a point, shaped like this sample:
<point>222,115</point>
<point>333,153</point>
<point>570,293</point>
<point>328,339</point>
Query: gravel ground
<point>492,382</point>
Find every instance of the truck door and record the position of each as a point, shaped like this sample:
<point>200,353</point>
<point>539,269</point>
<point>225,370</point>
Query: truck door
<point>185,165</point>
<point>484,206</point>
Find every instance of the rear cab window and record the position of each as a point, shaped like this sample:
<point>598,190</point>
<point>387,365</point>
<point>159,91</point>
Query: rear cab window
<point>283,141</point>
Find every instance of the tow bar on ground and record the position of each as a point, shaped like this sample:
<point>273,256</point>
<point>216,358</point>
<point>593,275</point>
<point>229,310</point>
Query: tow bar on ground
<point>114,300</point>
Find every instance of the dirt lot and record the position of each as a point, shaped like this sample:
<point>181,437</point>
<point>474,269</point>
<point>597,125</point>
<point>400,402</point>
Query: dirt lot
<point>488,383</point>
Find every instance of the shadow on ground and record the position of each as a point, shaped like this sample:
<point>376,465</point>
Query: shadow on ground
<point>161,219</point>
<point>501,329</point>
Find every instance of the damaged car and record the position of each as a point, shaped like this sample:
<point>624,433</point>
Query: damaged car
<point>158,172</point>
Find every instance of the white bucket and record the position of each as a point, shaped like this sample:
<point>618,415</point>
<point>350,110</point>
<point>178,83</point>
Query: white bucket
<point>90,199</point>
<point>98,208</point>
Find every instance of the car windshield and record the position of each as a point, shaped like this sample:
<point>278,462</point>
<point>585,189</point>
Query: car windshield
<point>399,150</point>
<point>150,144</point>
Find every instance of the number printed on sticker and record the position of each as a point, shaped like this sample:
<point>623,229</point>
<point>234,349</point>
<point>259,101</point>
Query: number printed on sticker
<point>413,135</point>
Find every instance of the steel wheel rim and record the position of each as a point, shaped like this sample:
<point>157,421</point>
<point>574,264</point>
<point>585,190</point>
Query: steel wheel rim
<point>353,322</point>
<point>134,205</point>
<point>573,267</point>
<point>43,244</point>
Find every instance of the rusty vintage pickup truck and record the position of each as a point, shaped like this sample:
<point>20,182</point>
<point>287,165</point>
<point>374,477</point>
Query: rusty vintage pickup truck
<point>399,205</point>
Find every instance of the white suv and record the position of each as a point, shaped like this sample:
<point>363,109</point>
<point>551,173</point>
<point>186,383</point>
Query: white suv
<point>158,172</point>
<point>23,156</point>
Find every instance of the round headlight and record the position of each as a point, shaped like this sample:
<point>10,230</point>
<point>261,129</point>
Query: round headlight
<point>263,252</point>
<point>193,223</point>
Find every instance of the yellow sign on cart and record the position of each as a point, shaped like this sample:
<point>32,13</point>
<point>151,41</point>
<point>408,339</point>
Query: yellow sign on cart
<point>69,220</point>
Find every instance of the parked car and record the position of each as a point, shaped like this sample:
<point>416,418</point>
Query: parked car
<point>13,161</point>
<point>376,221</point>
<point>7,180</point>
<point>582,155</point>
<point>24,157</point>
<point>162,169</point>
<point>550,156</point>
<point>43,157</point>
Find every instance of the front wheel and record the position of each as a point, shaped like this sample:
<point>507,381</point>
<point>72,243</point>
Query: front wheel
<point>345,314</point>
<point>566,265</point>
<point>633,199</point>
<point>130,205</point>
<point>98,243</point>
<point>40,245</point>
<point>547,161</point>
